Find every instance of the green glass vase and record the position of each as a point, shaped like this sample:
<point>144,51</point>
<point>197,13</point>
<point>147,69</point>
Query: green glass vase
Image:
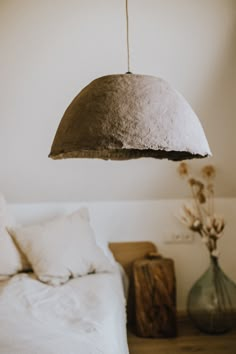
<point>212,301</point>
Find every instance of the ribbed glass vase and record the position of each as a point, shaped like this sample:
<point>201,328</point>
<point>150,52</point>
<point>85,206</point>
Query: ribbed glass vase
<point>212,301</point>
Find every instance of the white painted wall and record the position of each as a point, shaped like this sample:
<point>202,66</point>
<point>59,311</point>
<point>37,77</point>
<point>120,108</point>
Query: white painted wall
<point>150,220</point>
<point>50,49</point>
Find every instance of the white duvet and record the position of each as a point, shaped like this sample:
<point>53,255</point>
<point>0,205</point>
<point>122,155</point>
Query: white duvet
<point>84,316</point>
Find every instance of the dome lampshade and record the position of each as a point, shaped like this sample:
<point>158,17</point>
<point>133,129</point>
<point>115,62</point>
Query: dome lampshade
<point>128,116</point>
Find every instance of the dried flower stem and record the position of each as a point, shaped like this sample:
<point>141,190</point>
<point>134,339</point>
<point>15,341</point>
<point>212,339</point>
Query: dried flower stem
<point>201,217</point>
<point>196,203</point>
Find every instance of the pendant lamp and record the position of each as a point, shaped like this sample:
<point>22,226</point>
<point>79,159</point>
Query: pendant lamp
<point>128,116</point>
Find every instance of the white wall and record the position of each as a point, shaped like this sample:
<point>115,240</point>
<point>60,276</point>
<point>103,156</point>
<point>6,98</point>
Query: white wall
<point>50,49</point>
<point>150,220</point>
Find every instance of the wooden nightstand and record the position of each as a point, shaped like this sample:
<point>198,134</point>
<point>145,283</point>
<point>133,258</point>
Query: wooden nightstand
<point>155,297</point>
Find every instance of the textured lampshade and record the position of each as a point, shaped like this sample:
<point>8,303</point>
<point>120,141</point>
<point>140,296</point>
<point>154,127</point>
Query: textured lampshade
<point>121,117</point>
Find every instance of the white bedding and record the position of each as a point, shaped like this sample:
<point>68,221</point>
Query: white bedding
<point>84,316</point>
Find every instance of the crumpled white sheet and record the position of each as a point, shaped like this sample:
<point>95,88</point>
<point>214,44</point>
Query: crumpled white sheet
<point>84,316</point>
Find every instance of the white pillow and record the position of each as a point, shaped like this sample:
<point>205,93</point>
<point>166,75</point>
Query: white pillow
<point>61,248</point>
<point>11,261</point>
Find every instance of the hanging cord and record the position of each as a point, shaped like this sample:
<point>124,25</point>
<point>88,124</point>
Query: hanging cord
<point>127,35</point>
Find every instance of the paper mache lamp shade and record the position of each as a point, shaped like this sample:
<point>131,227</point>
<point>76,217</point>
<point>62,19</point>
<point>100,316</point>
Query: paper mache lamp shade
<point>122,117</point>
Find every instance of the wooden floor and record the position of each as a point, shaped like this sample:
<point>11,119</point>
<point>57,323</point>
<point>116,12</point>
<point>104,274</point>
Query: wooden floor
<point>189,340</point>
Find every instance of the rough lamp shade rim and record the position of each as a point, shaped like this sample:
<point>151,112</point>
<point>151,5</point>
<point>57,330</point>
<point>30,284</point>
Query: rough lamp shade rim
<point>122,117</point>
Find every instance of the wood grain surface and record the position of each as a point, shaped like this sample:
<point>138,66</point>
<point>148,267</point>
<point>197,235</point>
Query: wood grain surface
<point>155,297</point>
<point>126,253</point>
<point>189,340</point>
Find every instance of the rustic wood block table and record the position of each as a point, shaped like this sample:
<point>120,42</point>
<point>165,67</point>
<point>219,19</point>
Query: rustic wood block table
<point>155,297</point>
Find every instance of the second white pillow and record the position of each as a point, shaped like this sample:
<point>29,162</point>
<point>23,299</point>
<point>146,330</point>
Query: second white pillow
<point>61,248</point>
<point>12,260</point>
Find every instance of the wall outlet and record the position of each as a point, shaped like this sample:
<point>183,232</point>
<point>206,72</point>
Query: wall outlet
<point>179,238</point>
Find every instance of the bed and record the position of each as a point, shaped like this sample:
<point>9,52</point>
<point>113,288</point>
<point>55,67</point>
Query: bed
<point>60,292</point>
<point>84,316</point>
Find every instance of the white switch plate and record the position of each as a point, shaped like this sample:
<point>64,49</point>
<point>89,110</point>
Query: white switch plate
<point>179,238</point>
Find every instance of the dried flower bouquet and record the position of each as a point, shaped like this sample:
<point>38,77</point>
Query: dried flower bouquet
<point>200,215</point>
